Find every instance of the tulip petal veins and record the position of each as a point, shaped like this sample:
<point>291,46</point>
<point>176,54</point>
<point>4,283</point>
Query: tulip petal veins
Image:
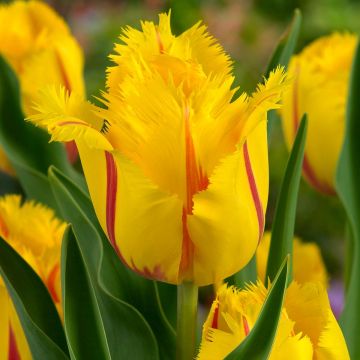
<point>254,190</point>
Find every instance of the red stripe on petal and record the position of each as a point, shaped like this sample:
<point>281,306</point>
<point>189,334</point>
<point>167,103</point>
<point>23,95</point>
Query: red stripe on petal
<point>254,190</point>
<point>63,74</point>
<point>309,172</point>
<point>111,193</point>
<point>215,321</point>
<point>111,190</point>
<point>246,326</point>
<point>51,283</point>
<point>13,349</point>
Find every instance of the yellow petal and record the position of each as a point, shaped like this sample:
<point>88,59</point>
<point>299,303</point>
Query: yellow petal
<point>64,66</point>
<point>308,265</point>
<point>331,345</point>
<point>228,217</point>
<point>320,73</point>
<point>123,199</point>
<point>69,117</point>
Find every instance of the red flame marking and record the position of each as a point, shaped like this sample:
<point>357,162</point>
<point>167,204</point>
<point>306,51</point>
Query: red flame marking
<point>254,191</point>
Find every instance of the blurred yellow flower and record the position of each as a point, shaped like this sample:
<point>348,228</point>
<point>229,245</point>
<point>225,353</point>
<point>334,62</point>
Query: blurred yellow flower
<point>308,265</point>
<point>38,45</point>
<point>178,170</point>
<point>320,76</point>
<point>5,165</point>
<point>307,327</point>
<point>34,232</point>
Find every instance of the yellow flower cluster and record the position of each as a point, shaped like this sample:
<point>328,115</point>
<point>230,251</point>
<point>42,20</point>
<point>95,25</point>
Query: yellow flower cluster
<point>35,233</point>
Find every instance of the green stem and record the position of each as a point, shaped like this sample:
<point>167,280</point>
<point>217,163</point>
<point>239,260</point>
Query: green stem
<point>186,321</point>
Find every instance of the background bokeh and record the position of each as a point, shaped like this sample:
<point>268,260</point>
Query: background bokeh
<point>249,31</point>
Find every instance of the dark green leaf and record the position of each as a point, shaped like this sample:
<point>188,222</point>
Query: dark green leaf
<point>32,301</point>
<point>257,345</point>
<point>83,324</point>
<point>282,232</point>
<point>27,146</point>
<point>127,332</point>
<point>246,275</point>
<point>9,184</point>
<point>287,44</point>
<point>281,56</point>
<point>348,189</point>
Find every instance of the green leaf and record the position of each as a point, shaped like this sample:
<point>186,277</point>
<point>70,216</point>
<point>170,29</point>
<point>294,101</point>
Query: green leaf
<point>83,324</point>
<point>9,184</point>
<point>281,56</point>
<point>348,189</point>
<point>127,332</point>
<point>287,44</point>
<point>37,313</point>
<point>246,275</point>
<point>27,146</point>
<point>282,232</point>
<point>257,345</point>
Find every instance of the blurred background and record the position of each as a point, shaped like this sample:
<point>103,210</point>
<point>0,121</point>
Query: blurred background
<point>249,31</point>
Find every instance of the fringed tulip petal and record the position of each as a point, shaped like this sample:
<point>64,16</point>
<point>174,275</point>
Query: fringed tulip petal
<point>62,114</point>
<point>307,328</point>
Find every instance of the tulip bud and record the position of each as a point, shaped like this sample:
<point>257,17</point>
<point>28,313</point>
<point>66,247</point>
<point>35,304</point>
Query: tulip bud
<point>320,75</point>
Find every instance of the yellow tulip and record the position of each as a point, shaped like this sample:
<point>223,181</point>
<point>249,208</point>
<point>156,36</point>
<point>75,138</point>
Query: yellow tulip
<point>38,45</point>
<point>34,232</point>
<point>178,170</point>
<point>308,265</point>
<point>320,76</point>
<point>307,327</point>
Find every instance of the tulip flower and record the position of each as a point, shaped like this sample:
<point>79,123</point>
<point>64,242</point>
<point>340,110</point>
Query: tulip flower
<point>35,233</point>
<point>38,45</point>
<point>308,264</point>
<point>320,76</point>
<point>176,166</point>
<point>307,328</point>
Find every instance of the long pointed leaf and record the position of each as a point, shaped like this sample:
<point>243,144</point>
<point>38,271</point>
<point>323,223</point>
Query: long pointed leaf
<point>257,345</point>
<point>287,44</point>
<point>284,221</point>
<point>348,189</point>
<point>84,328</point>
<point>32,301</point>
<point>128,333</point>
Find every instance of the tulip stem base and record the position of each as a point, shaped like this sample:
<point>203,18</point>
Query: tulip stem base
<point>186,321</point>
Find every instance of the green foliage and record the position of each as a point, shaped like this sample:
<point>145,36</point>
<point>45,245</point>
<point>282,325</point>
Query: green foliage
<point>257,345</point>
<point>348,189</point>
<point>114,284</point>
<point>287,44</point>
<point>36,311</point>
<point>282,233</point>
